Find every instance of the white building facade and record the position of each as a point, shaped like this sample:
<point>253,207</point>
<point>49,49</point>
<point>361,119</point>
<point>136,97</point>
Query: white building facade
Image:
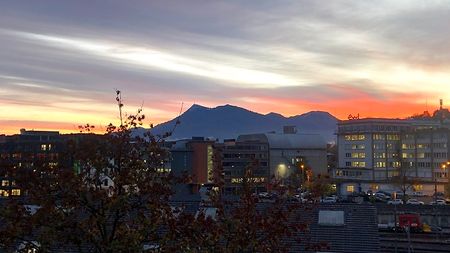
<point>372,152</point>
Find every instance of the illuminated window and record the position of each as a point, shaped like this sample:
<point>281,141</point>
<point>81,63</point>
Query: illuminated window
<point>359,146</point>
<point>418,187</point>
<point>210,164</point>
<point>15,192</point>
<point>379,155</point>
<point>374,187</point>
<point>359,164</point>
<point>5,182</point>
<point>407,155</point>
<point>43,147</point>
<point>358,155</point>
<point>395,164</point>
<point>52,164</point>
<point>380,164</point>
<point>393,137</point>
<point>350,188</point>
<point>378,137</point>
<point>4,193</point>
<point>236,180</point>
<point>355,137</point>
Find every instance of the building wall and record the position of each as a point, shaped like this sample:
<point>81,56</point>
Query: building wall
<point>239,157</point>
<point>376,150</point>
<point>315,158</point>
<point>25,150</point>
<point>202,162</point>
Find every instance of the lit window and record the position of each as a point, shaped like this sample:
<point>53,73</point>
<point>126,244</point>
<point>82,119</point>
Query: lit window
<point>418,187</point>
<point>15,192</point>
<point>43,147</point>
<point>359,164</point>
<point>358,155</point>
<point>52,164</point>
<point>5,182</point>
<point>380,164</point>
<point>4,193</point>
<point>350,188</point>
<point>236,180</point>
<point>378,137</point>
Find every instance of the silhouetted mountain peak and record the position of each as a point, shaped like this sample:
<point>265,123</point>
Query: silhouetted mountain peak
<point>229,121</point>
<point>274,115</point>
<point>196,107</point>
<point>321,113</point>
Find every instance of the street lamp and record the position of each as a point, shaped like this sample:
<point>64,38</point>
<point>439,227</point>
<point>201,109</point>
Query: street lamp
<point>444,167</point>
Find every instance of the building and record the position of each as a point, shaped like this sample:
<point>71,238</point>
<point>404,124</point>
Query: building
<point>244,158</point>
<point>338,227</point>
<point>275,156</point>
<point>373,153</point>
<point>195,158</point>
<point>25,150</point>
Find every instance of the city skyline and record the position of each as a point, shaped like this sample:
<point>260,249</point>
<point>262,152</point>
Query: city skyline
<point>61,61</point>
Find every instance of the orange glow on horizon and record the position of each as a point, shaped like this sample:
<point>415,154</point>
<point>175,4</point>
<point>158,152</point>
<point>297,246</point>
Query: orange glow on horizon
<point>365,107</point>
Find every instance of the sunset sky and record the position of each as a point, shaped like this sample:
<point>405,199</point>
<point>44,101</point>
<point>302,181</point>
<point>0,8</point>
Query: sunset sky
<point>61,61</point>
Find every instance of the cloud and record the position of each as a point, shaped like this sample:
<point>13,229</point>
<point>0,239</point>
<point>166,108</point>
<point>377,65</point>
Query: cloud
<point>284,56</point>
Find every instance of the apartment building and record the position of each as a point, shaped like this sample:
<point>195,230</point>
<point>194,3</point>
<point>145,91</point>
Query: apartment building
<point>26,150</point>
<point>373,152</point>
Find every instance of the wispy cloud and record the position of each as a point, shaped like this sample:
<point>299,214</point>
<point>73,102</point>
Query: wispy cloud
<point>62,64</point>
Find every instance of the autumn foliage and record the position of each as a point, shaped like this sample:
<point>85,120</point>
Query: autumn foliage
<point>113,194</point>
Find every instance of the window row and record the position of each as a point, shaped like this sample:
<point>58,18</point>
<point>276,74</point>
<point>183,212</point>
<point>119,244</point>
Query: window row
<point>355,137</point>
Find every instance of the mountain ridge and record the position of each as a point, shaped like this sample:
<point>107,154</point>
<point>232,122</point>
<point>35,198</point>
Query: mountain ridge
<point>228,121</point>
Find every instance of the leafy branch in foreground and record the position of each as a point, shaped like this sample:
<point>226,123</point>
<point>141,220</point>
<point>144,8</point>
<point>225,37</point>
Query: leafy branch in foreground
<point>112,193</point>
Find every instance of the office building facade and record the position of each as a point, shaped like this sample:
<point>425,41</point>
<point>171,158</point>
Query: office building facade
<point>373,153</point>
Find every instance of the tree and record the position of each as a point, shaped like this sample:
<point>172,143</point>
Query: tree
<point>402,180</point>
<point>113,195</point>
<point>321,186</point>
<point>117,201</point>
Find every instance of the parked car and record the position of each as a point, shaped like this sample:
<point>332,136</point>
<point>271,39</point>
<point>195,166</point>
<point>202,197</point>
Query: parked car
<point>439,202</point>
<point>395,202</point>
<point>439,195</point>
<point>418,194</point>
<point>381,197</point>
<point>414,202</point>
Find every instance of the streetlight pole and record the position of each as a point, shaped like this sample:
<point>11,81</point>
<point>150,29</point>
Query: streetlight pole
<point>443,167</point>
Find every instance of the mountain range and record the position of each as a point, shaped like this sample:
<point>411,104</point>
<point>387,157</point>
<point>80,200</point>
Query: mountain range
<point>228,121</point>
